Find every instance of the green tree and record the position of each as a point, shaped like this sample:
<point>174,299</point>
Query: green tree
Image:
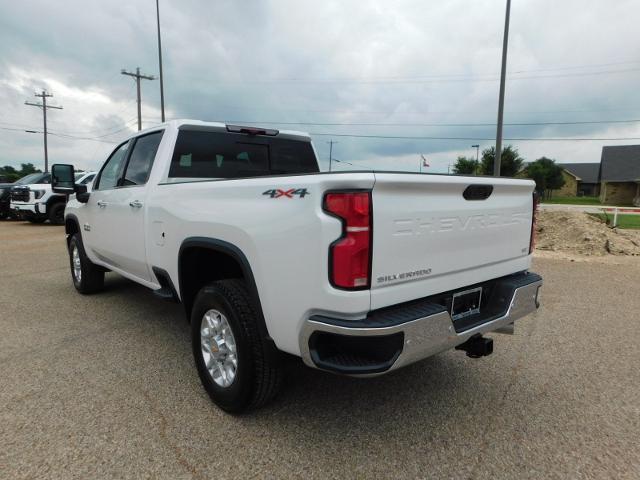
<point>11,174</point>
<point>465,166</point>
<point>27,169</point>
<point>546,174</point>
<point>510,161</point>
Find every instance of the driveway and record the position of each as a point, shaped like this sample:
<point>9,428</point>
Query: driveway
<point>104,386</point>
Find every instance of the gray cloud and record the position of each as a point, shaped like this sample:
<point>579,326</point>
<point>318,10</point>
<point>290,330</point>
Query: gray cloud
<point>337,62</point>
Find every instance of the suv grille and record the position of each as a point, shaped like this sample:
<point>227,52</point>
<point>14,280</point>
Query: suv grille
<point>20,194</point>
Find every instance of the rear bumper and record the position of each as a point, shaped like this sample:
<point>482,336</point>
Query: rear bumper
<point>396,336</point>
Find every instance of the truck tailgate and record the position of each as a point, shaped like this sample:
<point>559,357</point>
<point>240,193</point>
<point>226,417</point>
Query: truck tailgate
<point>428,238</point>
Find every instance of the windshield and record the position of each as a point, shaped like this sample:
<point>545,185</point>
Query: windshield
<point>31,178</point>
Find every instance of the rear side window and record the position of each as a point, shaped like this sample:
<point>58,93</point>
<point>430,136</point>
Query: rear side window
<point>141,159</point>
<point>202,154</point>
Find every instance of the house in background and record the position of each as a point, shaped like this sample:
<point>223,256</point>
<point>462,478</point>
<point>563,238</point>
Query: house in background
<point>580,180</point>
<point>620,175</point>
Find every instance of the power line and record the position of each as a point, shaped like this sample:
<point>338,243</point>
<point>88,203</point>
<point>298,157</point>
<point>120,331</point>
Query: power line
<point>382,124</point>
<point>22,127</point>
<point>512,139</point>
<point>44,95</point>
<point>427,79</point>
<point>400,137</point>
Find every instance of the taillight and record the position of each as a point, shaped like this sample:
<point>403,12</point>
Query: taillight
<point>350,255</point>
<point>534,215</point>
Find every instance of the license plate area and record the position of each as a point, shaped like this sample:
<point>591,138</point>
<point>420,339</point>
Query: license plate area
<point>466,303</point>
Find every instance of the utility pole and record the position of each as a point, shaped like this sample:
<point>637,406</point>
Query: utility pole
<point>138,76</point>
<point>477,147</point>
<point>331,142</point>
<point>44,95</point>
<point>505,41</point>
<point>160,62</point>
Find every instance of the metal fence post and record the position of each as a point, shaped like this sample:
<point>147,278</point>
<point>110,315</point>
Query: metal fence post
<point>615,217</point>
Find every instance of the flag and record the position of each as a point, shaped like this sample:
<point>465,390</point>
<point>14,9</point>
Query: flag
<point>424,161</point>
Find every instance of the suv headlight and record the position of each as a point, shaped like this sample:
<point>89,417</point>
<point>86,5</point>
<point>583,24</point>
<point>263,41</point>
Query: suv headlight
<point>38,193</point>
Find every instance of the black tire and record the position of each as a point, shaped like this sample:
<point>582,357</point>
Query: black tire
<point>36,218</point>
<point>91,278</point>
<point>258,374</point>
<point>56,213</point>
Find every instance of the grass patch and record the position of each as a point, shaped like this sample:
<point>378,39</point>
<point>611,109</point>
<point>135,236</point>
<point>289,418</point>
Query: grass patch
<point>624,221</point>
<point>574,200</point>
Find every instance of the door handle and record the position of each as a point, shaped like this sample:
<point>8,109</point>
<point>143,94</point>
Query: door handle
<point>101,203</point>
<point>135,204</point>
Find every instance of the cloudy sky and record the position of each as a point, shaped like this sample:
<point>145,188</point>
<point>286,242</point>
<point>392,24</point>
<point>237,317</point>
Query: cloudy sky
<point>428,70</point>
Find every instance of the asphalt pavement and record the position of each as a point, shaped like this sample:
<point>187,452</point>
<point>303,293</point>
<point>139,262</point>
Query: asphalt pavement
<point>104,386</point>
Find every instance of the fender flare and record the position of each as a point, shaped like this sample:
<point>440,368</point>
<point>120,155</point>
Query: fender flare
<point>238,255</point>
<point>74,219</point>
<point>55,199</point>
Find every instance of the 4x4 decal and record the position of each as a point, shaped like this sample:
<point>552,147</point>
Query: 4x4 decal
<point>290,193</point>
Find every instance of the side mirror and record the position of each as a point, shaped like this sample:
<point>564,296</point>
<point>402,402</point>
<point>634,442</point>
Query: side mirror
<point>81,193</point>
<point>63,179</point>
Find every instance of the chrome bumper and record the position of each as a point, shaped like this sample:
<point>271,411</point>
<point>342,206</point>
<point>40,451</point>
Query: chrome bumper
<point>425,336</point>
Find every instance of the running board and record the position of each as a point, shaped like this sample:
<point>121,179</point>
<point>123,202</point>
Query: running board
<point>166,291</point>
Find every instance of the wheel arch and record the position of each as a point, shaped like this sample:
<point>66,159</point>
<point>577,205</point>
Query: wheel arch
<point>54,199</point>
<point>71,226</point>
<point>230,262</point>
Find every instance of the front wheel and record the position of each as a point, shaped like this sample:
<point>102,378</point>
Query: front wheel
<point>235,364</point>
<point>56,214</point>
<point>87,277</point>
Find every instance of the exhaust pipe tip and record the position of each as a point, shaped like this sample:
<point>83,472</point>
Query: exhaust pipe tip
<point>477,346</point>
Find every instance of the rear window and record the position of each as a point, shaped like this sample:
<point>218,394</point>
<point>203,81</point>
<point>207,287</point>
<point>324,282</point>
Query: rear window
<point>202,154</point>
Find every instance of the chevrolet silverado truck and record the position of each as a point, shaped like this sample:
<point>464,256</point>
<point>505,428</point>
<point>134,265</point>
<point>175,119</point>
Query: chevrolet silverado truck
<point>36,202</point>
<point>358,273</point>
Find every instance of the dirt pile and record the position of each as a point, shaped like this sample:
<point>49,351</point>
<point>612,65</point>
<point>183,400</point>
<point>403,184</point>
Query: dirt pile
<point>580,233</point>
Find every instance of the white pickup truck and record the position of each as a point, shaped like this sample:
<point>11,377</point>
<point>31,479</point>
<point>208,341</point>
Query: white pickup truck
<point>37,203</point>
<point>358,273</point>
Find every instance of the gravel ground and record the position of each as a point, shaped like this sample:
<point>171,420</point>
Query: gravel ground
<point>105,387</point>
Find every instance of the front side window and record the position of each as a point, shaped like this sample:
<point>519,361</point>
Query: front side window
<point>141,159</point>
<point>209,154</point>
<point>112,170</point>
<point>87,180</point>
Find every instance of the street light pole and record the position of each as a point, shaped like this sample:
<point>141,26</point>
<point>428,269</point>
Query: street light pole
<point>505,41</point>
<point>477,147</point>
<point>160,62</point>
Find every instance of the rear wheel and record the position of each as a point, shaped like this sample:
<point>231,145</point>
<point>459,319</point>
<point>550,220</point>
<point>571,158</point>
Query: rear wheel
<point>87,277</point>
<point>56,213</point>
<point>238,369</point>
